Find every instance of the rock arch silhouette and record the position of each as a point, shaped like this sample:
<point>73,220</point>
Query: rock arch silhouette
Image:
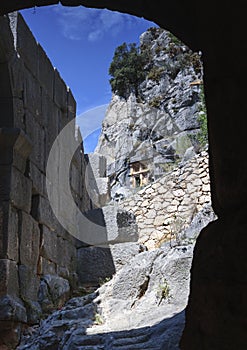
<point>216,313</point>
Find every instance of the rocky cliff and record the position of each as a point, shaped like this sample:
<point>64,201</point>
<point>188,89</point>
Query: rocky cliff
<point>150,131</point>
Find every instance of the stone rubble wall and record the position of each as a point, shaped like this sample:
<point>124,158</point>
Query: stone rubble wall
<point>167,206</point>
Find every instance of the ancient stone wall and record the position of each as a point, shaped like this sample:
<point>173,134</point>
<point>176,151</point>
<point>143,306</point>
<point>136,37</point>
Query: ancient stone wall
<point>164,208</point>
<point>37,255</point>
<point>50,193</point>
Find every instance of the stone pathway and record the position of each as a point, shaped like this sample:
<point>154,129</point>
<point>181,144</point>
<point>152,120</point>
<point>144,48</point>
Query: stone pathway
<point>141,307</point>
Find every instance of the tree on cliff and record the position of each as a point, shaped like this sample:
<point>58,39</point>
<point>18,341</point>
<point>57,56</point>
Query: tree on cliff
<point>127,69</point>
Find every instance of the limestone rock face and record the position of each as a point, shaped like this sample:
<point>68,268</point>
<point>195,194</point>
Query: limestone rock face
<point>158,124</point>
<point>141,307</point>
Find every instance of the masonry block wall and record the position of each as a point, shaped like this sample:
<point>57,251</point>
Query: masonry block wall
<point>167,206</point>
<point>35,105</point>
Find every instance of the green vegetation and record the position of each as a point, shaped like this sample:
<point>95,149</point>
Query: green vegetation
<point>155,73</point>
<point>163,291</point>
<point>155,102</point>
<point>127,69</point>
<point>98,319</point>
<point>202,136</point>
<point>174,39</point>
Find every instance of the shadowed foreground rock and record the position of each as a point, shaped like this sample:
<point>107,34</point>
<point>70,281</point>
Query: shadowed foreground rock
<point>141,307</point>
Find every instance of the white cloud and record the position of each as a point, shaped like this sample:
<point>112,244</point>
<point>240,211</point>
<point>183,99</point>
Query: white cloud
<point>80,22</point>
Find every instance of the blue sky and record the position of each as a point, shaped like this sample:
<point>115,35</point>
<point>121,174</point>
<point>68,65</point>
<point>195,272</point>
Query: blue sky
<point>80,43</point>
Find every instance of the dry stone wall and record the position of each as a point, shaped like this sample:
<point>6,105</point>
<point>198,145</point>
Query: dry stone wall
<point>167,206</point>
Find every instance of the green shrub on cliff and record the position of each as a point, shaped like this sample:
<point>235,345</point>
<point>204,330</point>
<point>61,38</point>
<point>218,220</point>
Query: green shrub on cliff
<point>127,69</point>
<point>202,119</point>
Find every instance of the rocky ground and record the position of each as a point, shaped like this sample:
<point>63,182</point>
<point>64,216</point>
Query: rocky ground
<point>141,307</point>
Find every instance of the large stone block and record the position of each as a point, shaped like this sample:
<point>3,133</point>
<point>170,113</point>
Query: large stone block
<point>19,161</point>
<point>42,212</point>
<point>67,254</point>
<point>5,182</point>
<point>121,225</point>
<point>10,138</point>
<point>9,242</point>
<point>8,278</point>
<point>17,70</point>
<point>97,162</point>
<point>26,44</point>
<point>46,267</point>
<point>47,108</point>
<point>29,283</point>
<point>53,116</point>
<point>9,335</point>
<point>37,135</point>
<point>21,190</point>
<point>53,292</point>
<point>12,309</point>
<point>21,151</point>
<point>32,95</point>
<point>71,106</point>
<point>94,265</point>
<point>38,180</point>
<point>45,71</point>
<point>107,225</point>
<point>7,117</point>
<point>19,113</point>
<point>29,241</point>
<point>123,252</point>
<point>103,186</point>
<point>75,178</point>
<point>49,245</point>
<point>60,92</point>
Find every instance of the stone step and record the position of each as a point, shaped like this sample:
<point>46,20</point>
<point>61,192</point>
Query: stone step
<point>128,339</point>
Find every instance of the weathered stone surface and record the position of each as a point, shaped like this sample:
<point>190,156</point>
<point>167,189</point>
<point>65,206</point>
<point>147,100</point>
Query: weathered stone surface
<point>134,310</point>
<point>60,91</point>
<point>29,241</point>
<point>9,241</point>
<point>5,182</point>
<point>9,278</point>
<point>46,267</point>
<point>37,135</point>
<point>35,99</point>
<point>49,245</point>
<point>29,283</point>
<point>122,253</point>
<point>10,337</point>
<point>38,180</point>
<point>172,204</point>
<point>96,182</point>
<point>21,190</point>
<point>95,264</point>
<point>66,254</point>
<point>12,309</point>
<point>45,71</point>
<point>53,292</point>
<point>97,163</point>
<point>42,212</point>
<point>159,123</point>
